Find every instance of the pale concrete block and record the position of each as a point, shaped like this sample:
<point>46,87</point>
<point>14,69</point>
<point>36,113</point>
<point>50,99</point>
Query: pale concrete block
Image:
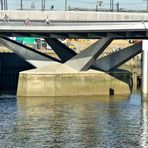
<point>72,84</point>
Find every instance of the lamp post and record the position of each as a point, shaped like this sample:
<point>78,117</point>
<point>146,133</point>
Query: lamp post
<point>65,5</point>
<point>21,4</point>
<point>146,4</point>
<point>117,6</point>
<point>4,4</point>
<point>43,5</point>
<point>111,5</point>
<point>1,4</point>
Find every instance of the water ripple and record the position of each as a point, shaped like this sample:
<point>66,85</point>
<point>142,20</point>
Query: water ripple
<point>72,122</point>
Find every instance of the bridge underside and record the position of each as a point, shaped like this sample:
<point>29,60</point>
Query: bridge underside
<point>81,30</point>
<point>82,35</point>
<point>76,62</point>
<point>72,64</point>
<point>89,56</point>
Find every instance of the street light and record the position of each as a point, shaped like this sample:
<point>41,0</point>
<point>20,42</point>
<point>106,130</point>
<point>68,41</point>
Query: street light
<point>65,5</point>
<point>117,6</point>
<point>21,4</point>
<point>43,5</point>
<point>147,4</point>
<point>1,4</point>
<point>111,5</point>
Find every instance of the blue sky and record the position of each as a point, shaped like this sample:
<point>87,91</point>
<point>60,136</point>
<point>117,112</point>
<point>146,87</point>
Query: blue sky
<point>59,4</point>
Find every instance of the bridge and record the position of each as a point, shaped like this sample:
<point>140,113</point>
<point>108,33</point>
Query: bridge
<point>88,30</point>
<point>73,25</point>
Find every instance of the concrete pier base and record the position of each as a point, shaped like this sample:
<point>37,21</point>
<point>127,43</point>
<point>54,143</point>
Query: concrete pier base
<point>45,82</point>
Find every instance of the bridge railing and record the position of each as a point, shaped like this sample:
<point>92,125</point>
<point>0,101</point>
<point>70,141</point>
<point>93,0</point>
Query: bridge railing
<point>39,22</point>
<point>21,22</point>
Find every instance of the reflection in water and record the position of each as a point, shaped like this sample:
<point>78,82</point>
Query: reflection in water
<point>74,122</point>
<point>144,120</point>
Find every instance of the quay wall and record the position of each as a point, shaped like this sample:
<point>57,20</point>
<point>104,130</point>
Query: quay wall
<point>10,66</point>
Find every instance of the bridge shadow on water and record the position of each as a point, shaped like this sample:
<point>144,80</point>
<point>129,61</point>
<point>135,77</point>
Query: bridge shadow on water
<point>10,66</point>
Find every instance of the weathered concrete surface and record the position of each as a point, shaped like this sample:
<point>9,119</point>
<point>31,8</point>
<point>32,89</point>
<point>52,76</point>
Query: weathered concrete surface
<point>53,68</point>
<point>68,82</point>
<point>74,15</point>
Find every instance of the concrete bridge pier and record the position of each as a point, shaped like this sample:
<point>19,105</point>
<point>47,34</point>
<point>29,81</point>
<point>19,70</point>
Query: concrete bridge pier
<point>145,67</point>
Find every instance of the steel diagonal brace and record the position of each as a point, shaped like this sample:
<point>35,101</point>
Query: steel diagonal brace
<point>118,58</point>
<point>106,63</point>
<point>63,52</point>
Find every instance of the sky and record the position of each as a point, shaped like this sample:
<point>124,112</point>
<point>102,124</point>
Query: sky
<point>60,4</point>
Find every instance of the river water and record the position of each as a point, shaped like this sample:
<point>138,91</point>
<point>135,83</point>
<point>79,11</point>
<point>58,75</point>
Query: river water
<point>74,122</point>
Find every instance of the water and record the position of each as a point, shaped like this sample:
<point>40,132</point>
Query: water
<point>74,122</point>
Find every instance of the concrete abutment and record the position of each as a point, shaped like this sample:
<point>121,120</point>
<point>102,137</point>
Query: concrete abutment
<point>70,84</point>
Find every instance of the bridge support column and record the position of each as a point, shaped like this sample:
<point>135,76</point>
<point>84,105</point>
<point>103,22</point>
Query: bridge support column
<point>145,67</point>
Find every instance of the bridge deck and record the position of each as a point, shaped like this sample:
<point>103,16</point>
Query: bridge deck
<point>77,29</point>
